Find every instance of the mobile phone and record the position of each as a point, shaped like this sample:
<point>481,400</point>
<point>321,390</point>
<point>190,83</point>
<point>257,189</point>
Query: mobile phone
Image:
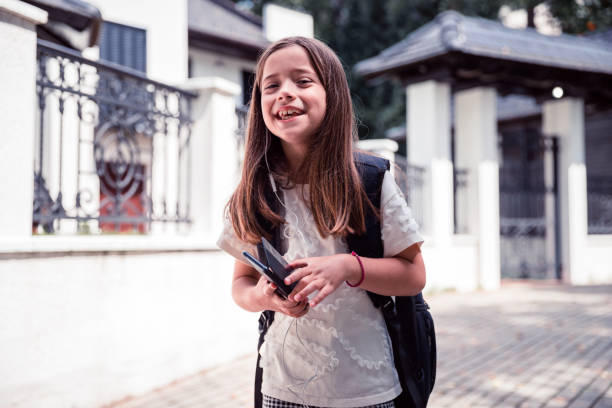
<point>272,274</point>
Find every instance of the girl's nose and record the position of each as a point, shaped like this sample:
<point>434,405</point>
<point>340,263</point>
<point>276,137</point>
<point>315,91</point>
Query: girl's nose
<point>286,92</point>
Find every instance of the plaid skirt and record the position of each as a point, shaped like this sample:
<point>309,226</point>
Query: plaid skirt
<point>269,402</point>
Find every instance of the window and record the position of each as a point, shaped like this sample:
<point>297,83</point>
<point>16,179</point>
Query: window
<point>124,45</point>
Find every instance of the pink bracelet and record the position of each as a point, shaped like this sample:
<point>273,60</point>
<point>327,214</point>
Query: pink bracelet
<point>362,271</point>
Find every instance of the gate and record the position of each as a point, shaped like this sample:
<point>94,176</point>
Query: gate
<point>529,207</point>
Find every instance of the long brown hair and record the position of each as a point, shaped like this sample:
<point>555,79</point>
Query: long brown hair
<point>336,197</point>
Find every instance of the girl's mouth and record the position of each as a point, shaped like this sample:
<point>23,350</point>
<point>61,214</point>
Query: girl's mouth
<point>288,114</point>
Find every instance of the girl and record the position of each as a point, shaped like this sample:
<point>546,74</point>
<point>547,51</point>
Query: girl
<point>327,345</point>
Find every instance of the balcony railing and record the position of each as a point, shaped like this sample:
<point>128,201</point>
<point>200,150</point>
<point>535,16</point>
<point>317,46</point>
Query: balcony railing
<point>112,151</point>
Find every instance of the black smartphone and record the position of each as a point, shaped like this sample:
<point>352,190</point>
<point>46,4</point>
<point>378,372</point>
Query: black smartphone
<point>273,266</point>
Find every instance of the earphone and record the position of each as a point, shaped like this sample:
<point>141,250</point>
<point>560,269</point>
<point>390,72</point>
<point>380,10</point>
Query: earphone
<point>305,382</point>
<point>272,182</point>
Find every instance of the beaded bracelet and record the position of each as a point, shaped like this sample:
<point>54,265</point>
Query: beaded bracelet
<point>362,271</point>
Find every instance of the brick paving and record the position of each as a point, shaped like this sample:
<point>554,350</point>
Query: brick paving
<point>526,345</point>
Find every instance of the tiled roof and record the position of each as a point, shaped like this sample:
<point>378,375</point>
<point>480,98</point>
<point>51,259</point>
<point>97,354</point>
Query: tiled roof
<point>605,36</point>
<point>221,19</point>
<point>452,32</point>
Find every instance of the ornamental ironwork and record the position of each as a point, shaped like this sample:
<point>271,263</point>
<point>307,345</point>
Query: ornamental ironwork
<point>599,199</point>
<point>461,200</point>
<point>112,152</point>
<point>242,114</point>
<point>529,208</point>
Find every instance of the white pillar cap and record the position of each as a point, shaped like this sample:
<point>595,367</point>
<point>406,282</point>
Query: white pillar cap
<point>24,10</point>
<point>217,84</point>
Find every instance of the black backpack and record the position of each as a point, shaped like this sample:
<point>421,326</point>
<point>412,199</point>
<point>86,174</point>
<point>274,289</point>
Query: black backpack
<point>407,318</point>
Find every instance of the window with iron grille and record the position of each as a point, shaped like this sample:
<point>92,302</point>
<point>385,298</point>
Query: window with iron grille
<point>124,45</point>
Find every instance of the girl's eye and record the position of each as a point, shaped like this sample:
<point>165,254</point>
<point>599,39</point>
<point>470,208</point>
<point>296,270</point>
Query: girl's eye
<point>304,81</point>
<point>269,86</point>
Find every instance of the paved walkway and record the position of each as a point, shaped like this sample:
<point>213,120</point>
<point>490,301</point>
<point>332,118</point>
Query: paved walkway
<point>527,345</point>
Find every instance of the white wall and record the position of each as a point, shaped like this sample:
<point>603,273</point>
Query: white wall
<point>167,29</point>
<point>452,265</point>
<point>596,259</point>
<point>92,328</point>
<point>17,100</point>
<point>210,64</point>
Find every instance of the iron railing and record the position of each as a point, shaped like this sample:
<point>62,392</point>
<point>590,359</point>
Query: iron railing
<point>529,232</point>
<point>461,204</point>
<point>599,199</point>
<point>242,113</point>
<point>410,179</point>
<point>112,152</point>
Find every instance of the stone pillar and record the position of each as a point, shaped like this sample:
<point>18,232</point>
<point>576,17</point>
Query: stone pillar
<point>564,118</point>
<point>428,145</point>
<point>477,151</point>
<point>384,148</point>
<point>214,169</point>
<point>18,103</point>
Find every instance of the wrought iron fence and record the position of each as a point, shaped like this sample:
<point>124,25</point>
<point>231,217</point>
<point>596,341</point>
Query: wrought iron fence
<point>599,199</point>
<point>461,207</point>
<point>242,113</point>
<point>410,179</point>
<point>112,152</point>
<point>528,211</point>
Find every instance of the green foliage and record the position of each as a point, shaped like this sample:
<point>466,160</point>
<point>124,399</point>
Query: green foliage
<point>592,15</point>
<point>359,29</point>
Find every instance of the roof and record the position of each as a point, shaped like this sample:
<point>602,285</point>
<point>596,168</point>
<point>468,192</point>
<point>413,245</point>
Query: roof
<point>605,36</point>
<point>72,23</point>
<point>516,107</point>
<point>453,32</point>
<point>219,26</point>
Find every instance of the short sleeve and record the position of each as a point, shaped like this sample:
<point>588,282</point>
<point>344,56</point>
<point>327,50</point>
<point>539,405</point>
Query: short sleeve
<point>399,228</point>
<point>230,243</point>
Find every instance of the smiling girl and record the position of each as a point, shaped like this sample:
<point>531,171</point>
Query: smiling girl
<point>327,345</point>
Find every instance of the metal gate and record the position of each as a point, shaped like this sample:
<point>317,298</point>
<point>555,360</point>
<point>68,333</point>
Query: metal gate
<point>529,207</point>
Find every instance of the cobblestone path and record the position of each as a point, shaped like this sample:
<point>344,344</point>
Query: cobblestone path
<point>526,345</point>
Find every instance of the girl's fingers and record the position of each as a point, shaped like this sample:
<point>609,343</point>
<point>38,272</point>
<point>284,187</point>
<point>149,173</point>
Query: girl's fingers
<point>297,264</point>
<point>303,294</point>
<point>298,310</point>
<point>296,275</point>
<point>323,293</point>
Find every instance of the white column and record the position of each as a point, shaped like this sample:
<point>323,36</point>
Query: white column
<point>476,150</point>
<point>429,146</point>
<point>384,148</point>
<point>18,105</point>
<point>214,162</point>
<point>564,118</point>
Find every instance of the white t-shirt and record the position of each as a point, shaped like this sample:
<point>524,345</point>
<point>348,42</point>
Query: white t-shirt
<point>339,354</point>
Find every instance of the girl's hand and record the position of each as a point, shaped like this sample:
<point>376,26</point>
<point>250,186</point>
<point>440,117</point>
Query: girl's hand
<point>272,301</point>
<point>324,273</point>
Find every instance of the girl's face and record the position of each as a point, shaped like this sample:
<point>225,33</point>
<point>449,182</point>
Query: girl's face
<point>293,100</point>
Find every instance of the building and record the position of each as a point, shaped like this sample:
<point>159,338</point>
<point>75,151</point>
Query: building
<point>511,131</point>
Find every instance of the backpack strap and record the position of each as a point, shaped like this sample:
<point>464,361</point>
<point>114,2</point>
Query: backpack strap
<point>265,320</point>
<point>267,316</point>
